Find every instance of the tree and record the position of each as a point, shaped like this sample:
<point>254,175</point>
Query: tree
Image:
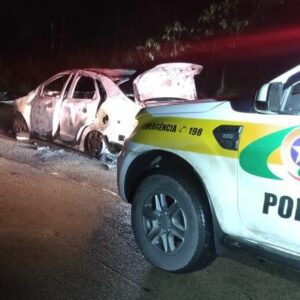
<point>220,18</point>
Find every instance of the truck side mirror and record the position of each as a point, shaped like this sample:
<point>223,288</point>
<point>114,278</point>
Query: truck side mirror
<point>274,96</point>
<point>269,97</point>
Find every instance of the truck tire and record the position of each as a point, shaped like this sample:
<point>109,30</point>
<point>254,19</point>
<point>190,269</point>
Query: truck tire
<point>172,223</point>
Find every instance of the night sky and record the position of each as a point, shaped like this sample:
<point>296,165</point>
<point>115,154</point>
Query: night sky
<point>95,23</point>
<point>39,38</point>
<point>29,24</point>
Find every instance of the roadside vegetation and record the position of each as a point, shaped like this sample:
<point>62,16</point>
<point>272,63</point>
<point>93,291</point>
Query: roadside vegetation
<point>213,39</point>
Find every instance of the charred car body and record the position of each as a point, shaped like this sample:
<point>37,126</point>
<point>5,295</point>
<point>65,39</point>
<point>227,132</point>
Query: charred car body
<point>86,109</point>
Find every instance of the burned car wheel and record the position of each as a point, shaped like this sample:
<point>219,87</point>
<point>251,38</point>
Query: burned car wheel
<point>19,125</point>
<point>94,144</point>
<point>172,223</point>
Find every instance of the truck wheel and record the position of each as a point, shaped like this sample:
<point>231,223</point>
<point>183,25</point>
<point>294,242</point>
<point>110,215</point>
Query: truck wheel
<point>172,223</point>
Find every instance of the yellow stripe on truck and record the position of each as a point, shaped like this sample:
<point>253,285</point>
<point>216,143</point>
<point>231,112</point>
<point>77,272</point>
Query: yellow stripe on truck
<point>181,134</point>
<point>194,135</point>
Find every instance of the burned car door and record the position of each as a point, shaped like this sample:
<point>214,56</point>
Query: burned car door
<point>45,106</point>
<point>79,108</point>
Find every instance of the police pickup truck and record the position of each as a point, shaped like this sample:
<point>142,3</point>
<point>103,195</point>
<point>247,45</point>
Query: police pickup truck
<point>201,175</point>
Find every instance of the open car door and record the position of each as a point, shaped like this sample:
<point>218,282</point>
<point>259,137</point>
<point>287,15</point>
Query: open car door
<point>79,109</point>
<point>45,106</point>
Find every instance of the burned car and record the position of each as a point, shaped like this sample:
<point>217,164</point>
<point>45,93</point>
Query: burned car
<point>87,109</point>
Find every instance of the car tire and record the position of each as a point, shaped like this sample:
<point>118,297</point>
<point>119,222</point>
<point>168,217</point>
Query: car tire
<point>172,223</point>
<point>94,144</point>
<point>19,125</point>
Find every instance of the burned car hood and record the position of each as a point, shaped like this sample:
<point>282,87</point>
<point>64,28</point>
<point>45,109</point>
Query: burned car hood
<point>170,80</point>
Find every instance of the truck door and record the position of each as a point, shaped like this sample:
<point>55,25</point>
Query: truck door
<point>268,180</point>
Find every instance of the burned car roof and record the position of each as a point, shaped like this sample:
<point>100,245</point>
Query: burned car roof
<point>114,74</point>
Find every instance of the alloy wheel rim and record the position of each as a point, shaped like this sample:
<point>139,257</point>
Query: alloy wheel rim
<point>164,223</point>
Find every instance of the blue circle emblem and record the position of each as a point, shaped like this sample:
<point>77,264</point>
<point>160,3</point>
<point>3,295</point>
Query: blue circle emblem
<point>295,152</point>
<point>290,153</point>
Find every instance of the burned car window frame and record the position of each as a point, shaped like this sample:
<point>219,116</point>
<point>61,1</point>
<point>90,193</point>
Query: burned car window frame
<point>46,93</point>
<point>83,95</point>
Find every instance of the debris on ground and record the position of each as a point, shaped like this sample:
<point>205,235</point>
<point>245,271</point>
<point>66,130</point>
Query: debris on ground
<point>109,160</point>
<point>42,148</point>
<point>45,152</point>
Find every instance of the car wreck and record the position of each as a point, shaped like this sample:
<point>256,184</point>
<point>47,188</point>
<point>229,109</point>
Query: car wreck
<point>88,109</point>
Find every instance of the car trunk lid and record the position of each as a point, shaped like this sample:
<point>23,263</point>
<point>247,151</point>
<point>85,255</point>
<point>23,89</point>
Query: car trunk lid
<point>173,82</point>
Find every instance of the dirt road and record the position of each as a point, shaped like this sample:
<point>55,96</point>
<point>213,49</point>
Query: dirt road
<point>65,234</point>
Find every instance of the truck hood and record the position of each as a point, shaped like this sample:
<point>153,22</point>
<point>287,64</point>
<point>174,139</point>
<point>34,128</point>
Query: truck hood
<point>170,80</point>
<point>185,108</point>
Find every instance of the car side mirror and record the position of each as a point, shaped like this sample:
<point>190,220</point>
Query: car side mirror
<point>269,97</point>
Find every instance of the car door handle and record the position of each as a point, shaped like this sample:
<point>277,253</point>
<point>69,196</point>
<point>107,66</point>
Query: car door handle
<point>50,105</point>
<point>84,110</point>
